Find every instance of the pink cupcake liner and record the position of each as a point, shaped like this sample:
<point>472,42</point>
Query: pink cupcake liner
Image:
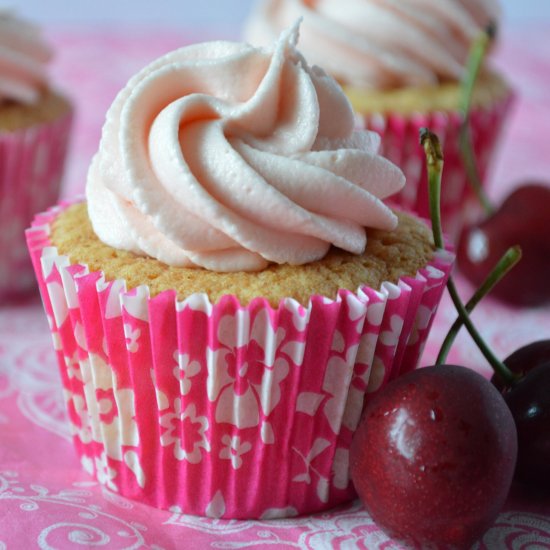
<point>31,168</point>
<point>400,144</point>
<point>219,409</point>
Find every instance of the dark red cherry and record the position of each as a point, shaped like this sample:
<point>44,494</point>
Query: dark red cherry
<point>525,359</point>
<point>523,218</point>
<point>433,457</point>
<point>529,401</point>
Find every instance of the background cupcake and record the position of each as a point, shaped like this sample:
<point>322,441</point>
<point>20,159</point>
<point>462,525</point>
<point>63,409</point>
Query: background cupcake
<point>400,64</point>
<point>223,321</point>
<point>34,129</point>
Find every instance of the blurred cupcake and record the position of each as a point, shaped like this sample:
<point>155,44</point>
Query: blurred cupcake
<point>34,130</point>
<point>219,310</point>
<point>400,64</point>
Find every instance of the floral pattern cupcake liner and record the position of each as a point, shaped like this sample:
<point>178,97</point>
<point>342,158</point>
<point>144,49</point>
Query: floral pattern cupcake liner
<point>400,144</point>
<point>31,169</point>
<point>220,409</point>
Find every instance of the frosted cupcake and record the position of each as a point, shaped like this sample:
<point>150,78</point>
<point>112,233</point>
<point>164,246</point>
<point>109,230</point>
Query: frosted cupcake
<point>400,64</point>
<point>233,287</point>
<point>34,129</point>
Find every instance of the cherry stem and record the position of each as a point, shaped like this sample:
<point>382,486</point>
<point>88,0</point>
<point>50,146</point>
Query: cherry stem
<point>510,258</point>
<point>434,159</point>
<point>473,65</point>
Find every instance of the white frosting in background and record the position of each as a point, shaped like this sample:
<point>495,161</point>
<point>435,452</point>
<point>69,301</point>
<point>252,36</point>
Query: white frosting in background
<point>24,55</point>
<point>229,157</point>
<point>379,43</point>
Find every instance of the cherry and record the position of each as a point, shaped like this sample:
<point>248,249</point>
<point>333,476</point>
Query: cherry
<point>434,455</point>
<point>521,219</point>
<point>523,360</point>
<point>529,401</point>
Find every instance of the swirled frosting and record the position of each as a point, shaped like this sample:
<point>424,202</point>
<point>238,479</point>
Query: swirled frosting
<point>380,43</point>
<point>228,157</point>
<point>24,55</point>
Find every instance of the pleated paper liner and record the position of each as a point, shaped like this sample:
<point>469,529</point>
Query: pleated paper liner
<point>219,409</point>
<point>31,168</point>
<point>400,144</point>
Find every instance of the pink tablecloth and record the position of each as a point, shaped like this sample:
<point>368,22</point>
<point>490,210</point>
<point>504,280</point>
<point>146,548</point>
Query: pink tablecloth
<point>47,501</point>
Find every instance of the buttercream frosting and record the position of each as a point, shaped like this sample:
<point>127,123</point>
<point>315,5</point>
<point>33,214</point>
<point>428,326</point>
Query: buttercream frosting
<point>380,43</point>
<point>24,55</point>
<point>228,157</point>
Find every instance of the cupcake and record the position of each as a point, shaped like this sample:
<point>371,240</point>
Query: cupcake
<point>233,287</point>
<point>400,63</point>
<point>34,129</point>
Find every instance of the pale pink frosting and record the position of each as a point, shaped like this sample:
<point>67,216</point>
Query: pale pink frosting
<point>229,157</point>
<point>379,43</point>
<point>24,55</point>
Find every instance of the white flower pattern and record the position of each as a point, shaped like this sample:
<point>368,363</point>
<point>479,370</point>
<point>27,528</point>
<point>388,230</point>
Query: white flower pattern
<point>106,413</point>
<point>234,449</point>
<point>132,337</point>
<point>195,427</point>
<point>244,388</point>
<point>185,370</point>
<point>391,337</point>
<point>105,474</point>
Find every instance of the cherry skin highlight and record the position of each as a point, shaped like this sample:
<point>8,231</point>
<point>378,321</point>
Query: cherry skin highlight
<point>433,457</point>
<point>522,219</point>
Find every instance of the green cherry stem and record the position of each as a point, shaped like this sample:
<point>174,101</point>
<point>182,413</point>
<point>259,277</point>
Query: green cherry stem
<point>510,258</point>
<point>498,366</point>
<point>473,65</point>
<point>434,159</point>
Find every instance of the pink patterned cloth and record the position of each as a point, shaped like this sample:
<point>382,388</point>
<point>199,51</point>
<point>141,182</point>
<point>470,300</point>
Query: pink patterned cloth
<point>48,501</point>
